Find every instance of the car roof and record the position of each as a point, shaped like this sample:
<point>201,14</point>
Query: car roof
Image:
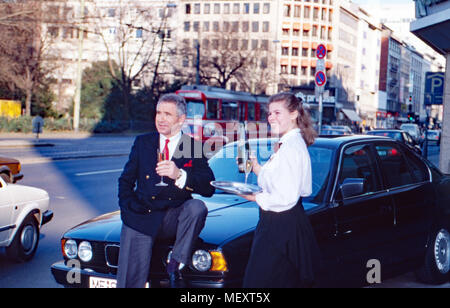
<point>331,141</point>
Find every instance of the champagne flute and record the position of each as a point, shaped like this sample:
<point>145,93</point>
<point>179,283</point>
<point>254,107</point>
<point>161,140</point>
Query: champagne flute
<point>161,157</point>
<point>248,169</point>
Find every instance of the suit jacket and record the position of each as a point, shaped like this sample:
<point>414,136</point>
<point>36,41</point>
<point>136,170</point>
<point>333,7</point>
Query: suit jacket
<point>142,203</point>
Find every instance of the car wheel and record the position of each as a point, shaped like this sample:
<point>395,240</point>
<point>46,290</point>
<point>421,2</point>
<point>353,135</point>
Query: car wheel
<point>436,268</point>
<point>6,177</point>
<point>25,243</point>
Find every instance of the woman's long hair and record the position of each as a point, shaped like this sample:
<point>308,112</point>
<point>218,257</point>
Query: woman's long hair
<point>304,121</point>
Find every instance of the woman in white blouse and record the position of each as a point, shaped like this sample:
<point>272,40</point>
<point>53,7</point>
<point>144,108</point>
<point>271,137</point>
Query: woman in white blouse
<point>284,250</point>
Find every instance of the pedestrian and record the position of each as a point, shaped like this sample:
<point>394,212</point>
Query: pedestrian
<point>284,252</point>
<point>152,211</point>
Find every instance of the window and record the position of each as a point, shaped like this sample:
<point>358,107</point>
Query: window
<point>229,110</point>
<point>255,26</point>
<point>216,26</point>
<point>245,26</point>
<point>206,26</point>
<point>284,69</point>
<point>285,51</point>
<point>394,167</point>
<point>256,8</point>
<point>188,8</point>
<point>236,8</point>
<point>417,167</point>
<point>207,8</point>
<point>212,109</point>
<point>357,163</point>
<point>266,8</point>
<point>307,12</point>
<point>294,51</point>
<point>265,45</point>
<point>266,26</point>
<point>197,8</point>
<point>139,33</point>
<point>235,26</point>
<point>246,8</point>
<point>254,44</point>
<point>226,8</point>
<point>287,11</point>
<point>297,11</point>
<point>216,8</point>
<point>294,70</point>
<point>251,111</point>
<point>187,26</point>
<point>196,26</point>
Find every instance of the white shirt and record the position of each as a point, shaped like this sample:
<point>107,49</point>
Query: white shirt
<point>173,144</point>
<point>286,176</point>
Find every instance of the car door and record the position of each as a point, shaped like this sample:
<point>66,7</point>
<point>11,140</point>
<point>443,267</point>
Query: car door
<point>364,222</point>
<point>5,213</point>
<point>408,180</point>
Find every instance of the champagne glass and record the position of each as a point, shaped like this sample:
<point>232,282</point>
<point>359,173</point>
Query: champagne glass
<point>248,169</point>
<point>161,157</point>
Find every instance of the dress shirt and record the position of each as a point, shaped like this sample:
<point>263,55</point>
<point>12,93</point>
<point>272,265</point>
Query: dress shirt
<point>173,145</point>
<point>287,175</point>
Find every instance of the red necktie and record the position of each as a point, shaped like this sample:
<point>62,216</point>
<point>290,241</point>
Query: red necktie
<point>166,150</point>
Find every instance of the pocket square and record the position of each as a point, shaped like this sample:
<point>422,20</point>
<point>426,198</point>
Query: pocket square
<point>188,164</point>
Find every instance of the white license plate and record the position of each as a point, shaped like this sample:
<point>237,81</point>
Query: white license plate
<point>102,283</point>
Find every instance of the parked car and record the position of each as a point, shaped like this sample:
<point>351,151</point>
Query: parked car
<point>413,130</point>
<point>335,132</point>
<point>343,127</point>
<point>399,135</point>
<point>434,136</point>
<point>10,170</point>
<point>373,199</point>
<point>23,211</point>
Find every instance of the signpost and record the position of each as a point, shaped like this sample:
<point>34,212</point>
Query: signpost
<point>434,88</point>
<point>320,80</point>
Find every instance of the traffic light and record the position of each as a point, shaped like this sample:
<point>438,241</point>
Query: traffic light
<point>411,116</point>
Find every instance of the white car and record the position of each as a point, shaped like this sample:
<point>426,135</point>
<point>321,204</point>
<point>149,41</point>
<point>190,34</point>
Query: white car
<point>23,211</point>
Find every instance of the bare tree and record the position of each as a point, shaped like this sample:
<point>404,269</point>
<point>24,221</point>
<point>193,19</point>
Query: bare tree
<point>23,47</point>
<point>231,56</point>
<point>134,36</point>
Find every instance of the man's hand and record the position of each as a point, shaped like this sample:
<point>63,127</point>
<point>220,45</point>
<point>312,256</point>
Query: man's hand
<point>249,197</point>
<point>168,168</point>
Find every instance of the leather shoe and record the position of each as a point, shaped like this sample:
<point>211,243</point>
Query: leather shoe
<point>176,280</point>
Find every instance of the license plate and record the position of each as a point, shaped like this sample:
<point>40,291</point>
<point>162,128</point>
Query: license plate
<point>102,283</point>
<point>105,283</point>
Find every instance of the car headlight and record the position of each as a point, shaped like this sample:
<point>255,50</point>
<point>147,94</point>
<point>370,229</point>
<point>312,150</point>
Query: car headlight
<point>85,251</point>
<point>201,260</point>
<point>70,249</point>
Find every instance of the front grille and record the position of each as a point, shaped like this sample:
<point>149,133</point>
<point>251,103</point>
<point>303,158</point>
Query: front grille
<point>112,255</point>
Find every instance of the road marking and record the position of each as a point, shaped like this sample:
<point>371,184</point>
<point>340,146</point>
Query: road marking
<point>98,172</point>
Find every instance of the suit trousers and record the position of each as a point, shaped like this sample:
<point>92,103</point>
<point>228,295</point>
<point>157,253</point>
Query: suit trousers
<point>184,223</point>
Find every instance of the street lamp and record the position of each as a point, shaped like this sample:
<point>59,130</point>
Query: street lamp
<point>76,107</point>
<point>275,81</point>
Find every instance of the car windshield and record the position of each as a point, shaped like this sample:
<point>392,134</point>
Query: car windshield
<point>224,166</point>
<point>393,135</point>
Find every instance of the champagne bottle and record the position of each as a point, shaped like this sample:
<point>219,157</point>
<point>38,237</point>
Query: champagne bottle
<point>243,148</point>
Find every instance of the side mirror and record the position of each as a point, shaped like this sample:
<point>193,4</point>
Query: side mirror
<point>352,187</point>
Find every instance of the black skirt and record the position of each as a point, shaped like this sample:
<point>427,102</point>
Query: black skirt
<point>284,252</point>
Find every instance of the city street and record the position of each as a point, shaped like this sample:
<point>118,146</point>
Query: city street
<point>81,189</point>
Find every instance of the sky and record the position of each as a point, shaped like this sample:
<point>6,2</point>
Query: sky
<point>364,2</point>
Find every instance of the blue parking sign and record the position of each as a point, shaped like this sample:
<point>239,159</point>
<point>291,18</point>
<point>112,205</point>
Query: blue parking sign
<point>434,88</point>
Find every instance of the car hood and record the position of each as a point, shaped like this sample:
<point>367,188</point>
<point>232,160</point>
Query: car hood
<point>229,216</point>
<point>25,194</point>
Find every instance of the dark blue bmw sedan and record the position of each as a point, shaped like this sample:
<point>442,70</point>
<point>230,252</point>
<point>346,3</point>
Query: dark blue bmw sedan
<point>373,200</point>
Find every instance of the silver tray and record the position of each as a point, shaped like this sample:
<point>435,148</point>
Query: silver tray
<point>237,187</point>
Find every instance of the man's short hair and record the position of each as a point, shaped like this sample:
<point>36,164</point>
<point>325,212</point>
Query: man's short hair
<point>175,99</point>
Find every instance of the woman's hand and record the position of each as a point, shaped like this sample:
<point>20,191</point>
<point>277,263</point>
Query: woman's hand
<point>249,197</point>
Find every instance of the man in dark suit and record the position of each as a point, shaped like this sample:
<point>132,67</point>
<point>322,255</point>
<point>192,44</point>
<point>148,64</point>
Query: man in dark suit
<point>148,210</point>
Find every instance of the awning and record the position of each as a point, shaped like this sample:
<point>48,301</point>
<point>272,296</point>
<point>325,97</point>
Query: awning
<point>351,115</point>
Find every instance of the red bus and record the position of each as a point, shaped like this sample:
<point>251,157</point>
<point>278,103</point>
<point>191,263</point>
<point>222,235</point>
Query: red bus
<point>215,113</point>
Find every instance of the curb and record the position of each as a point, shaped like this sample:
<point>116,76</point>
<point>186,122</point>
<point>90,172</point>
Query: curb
<point>42,160</point>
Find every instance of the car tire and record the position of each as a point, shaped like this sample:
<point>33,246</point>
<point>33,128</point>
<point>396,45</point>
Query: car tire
<point>25,242</point>
<point>436,268</point>
<point>6,177</point>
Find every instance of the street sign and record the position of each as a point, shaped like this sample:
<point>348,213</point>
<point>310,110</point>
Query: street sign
<point>434,88</point>
<point>321,79</point>
<point>321,51</point>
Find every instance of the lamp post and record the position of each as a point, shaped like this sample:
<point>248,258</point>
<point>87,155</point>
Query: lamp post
<point>275,81</point>
<point>77,99</point>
